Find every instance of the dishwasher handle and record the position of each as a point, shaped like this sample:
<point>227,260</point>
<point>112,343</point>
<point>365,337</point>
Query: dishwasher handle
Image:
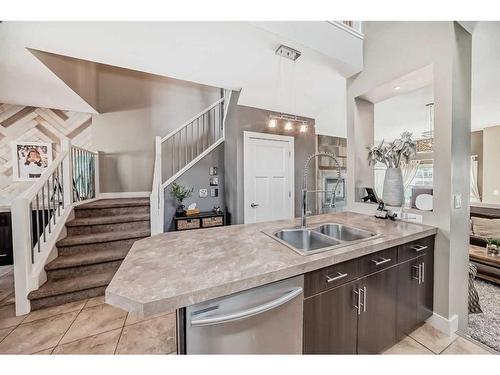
<point>248,312</point>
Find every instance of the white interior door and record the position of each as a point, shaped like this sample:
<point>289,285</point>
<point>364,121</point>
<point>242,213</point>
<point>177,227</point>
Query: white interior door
<point>268,177</point>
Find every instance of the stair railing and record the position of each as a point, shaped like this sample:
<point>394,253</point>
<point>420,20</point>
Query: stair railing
<point>40,213</point>
<point>182,148</point>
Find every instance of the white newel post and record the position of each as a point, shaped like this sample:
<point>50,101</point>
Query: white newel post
<point>21,238</point>
<point>156,201</point>
<point>67,173</point>
<point>97,182</point>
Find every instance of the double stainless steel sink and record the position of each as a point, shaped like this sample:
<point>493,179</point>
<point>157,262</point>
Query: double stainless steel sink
<point>324,237</point>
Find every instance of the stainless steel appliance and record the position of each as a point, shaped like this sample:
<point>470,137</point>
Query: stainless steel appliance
<point>263,320</point>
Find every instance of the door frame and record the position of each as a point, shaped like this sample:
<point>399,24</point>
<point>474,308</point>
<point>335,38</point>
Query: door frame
<point>247,136</point>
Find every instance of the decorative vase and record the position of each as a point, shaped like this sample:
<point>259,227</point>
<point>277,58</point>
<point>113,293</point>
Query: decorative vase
<point>180,211</point>
<point>394,193</point>
<point>492,250</point>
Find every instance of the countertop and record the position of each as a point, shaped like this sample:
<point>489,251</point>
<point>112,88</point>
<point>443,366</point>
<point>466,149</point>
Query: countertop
<point>177,269</point>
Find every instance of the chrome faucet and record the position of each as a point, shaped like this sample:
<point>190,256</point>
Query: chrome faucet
<point>303,218</point>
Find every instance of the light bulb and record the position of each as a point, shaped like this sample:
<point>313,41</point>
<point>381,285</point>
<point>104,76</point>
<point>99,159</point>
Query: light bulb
<point>303,128</point>
<point>272,123</point>
<point>288,125</point>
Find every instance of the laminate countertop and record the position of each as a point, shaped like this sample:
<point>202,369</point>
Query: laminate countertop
<point>177,269</point>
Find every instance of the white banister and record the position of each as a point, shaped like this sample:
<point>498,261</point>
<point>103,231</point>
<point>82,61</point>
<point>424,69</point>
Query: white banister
<point>40,213</point>
<point>181,149</point>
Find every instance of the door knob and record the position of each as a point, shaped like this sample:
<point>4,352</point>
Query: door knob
<point>253,205</point>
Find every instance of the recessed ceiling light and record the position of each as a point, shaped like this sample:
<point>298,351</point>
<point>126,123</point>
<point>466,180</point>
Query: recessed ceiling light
<point>397,88</point>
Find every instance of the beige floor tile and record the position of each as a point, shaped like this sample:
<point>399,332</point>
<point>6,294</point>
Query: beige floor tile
<point>155,336</point>
<point>95,301</point>
<point>9,300</point>
<point>94,320</point>
<point>8,317</point>
<point>38,335</point>
<point>132,319</point>
<point>464,346</point>
<point>408,346</point>
<point>4,332</point>
<point>103,343</point>
<point>52,311</point>
<point>45,351</point>
<point>432,338</point>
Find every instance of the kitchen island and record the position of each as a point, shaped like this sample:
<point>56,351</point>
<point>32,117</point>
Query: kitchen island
<point>171,271</point>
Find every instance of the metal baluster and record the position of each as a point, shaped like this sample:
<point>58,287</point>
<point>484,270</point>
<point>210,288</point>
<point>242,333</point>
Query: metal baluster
<point>73,168</point>
<point>192,140</point>
<point>43,215</point>
<point>61,183</point>
<point>48,207</point>
<point>31,234</point>
<point>58,191</point>
<point>38,221</point>
<point>197,136</point>
<point>53,197</point>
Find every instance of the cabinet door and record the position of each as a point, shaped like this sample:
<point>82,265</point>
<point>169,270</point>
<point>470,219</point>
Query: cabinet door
<point>425,305</point>
<point>330,320</point>
<point>407,298</point>
<point>377,321</point>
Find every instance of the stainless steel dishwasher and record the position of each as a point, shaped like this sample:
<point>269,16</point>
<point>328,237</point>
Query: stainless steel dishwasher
<point>263,320</point>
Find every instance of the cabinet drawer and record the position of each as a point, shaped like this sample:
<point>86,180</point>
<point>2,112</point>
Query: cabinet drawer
<point>212,222</point>
<point>188,224</point>
<point>416,248</point>
<point>330,277</point>
<point>377,261</point>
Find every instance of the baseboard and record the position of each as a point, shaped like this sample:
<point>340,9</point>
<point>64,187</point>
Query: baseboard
<point>127,194</point>
<point>447,326</point>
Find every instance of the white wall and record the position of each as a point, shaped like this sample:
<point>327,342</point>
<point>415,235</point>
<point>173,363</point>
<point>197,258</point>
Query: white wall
<point>491,160</point>
<point>221,54</point>
<point>392,50</point>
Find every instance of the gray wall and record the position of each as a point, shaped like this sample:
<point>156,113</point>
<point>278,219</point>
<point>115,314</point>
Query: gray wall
<point>134,108</point>
<point>197,177</point>
<point>392,50</point>
<point>476,148</point>
<point>240,119</point>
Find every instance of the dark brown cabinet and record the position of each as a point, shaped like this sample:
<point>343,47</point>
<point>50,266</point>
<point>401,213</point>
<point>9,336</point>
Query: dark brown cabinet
<point>368,313</point>
<point>376,321</point>
<point>331,321</point>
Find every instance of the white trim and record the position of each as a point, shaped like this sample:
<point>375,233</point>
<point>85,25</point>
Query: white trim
<point>125,194</point>
<point>348,29</point>
<point>247,135</point>
<point>191,163</point>
<point>447,326</point>
<point>485,205</point>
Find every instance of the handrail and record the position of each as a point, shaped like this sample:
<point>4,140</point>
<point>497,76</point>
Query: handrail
<point>84,149</point>
<point>37,186</point>
<point>169,135</point>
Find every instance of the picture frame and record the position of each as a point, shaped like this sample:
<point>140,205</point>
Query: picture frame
<point>30,160</point>
<point>214,181</point>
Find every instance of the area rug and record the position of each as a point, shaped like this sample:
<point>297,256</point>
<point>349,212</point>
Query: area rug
<point>485,327</point>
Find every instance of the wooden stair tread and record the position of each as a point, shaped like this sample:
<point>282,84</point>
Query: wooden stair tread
<point>85,239</point>
<point>73,284</point>
<point>115,219</point>
<point>114,203</point>
<point>87,258</point>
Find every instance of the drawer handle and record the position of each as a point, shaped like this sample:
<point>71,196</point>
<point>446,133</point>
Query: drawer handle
<point>381,261</point>
<point>3,255</point>
<point>418,248</point>
<point>339,276</point>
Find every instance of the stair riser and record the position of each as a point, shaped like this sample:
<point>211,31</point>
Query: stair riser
<point>83,270</point>
<point>69,250</point>
<point>61,299</point>
<point>101,228</point>
<point>113,211</point>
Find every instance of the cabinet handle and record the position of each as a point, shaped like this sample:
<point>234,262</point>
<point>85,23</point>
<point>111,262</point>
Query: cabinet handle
<point>418,248</point>
<point>422,277</point>
<point>381,261</point>
<point>3,255</point>
<point>358,300</point>
<point>364,299</point>
<point>339,276</point>
<point>418,273</point>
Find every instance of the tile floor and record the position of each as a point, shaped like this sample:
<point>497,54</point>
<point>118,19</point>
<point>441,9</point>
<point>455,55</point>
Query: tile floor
<point>93,327</point>
<point>83,327</point>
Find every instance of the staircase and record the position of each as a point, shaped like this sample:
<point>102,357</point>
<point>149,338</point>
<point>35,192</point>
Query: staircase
<point>98,239</point>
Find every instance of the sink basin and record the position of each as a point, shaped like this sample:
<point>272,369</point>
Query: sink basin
<point>343,233</point>
<point>324,237</point>
<point>305,240</point>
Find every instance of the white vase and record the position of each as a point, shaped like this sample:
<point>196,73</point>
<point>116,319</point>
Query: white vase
<point>394,194</point>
